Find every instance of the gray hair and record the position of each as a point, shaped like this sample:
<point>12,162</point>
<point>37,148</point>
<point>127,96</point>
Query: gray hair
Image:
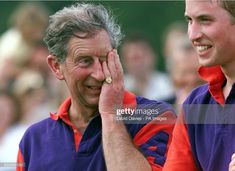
<point>80,17</point>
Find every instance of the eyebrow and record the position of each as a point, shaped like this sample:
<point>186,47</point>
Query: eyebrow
<point>199,17</point>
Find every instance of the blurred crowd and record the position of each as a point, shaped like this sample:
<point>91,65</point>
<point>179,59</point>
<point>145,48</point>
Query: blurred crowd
<point>28,91</point>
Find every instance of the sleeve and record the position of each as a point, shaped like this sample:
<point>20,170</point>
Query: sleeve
<point>180,156</point>
<point>20,161</point>
<point>154,138</point>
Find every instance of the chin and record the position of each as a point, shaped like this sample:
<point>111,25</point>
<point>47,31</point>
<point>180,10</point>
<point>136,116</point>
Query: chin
<point>93,103</point>
<point>206,63</point>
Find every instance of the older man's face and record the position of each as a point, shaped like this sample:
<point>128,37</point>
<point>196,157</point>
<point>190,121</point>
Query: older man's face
<point>82,69</point>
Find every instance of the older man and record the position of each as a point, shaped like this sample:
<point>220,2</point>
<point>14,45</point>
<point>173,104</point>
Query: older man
<point>86,134</point>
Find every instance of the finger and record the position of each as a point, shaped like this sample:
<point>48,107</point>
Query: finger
<point>111,65</point>
<point>231,168</point>
<point>115,56</point>
<point>106,69</point>
<point>232,163</point>
<point>233,156</point>
<point>119,69</point>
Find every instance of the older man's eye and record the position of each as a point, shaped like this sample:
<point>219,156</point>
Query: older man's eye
<point>85,61</point>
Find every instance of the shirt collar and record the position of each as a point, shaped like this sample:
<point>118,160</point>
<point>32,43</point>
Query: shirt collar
<point>128,100</point>
<point>216,79</point>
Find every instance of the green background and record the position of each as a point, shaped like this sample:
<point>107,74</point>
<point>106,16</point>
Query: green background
<point>148,17</point>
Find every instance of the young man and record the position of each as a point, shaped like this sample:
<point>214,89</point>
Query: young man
<point>204,137</point>
<point>84,134</point>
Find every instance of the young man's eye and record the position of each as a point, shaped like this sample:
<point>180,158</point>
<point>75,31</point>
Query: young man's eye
<point>188,20</point>
<point>205,21</point>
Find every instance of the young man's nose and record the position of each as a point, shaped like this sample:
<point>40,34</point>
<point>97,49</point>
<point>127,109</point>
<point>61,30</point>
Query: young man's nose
<point>194,32</point>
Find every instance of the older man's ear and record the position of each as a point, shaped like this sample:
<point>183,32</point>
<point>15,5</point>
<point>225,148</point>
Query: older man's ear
<point>55,67</point>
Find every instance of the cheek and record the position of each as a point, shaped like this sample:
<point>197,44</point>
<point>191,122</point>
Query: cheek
<point>79,75</point>
<point>220,36</point>
<point>223,43</point>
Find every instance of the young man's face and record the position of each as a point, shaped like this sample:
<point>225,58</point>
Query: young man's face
<point>82,69</point>
<point>211,31</point>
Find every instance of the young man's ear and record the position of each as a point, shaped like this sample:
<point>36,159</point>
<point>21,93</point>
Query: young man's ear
<point>55,67</point>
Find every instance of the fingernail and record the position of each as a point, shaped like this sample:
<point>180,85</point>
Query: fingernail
<point>111,53</point>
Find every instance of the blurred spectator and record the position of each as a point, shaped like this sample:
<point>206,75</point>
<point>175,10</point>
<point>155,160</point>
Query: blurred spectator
<point>139,61</point>
<point>9,116</point>
<point>56,90</point>
<point>8,73</point>
<point>10,112</point>
<point>171,36</point>
<point>31,89</point>
<point>182,62</point>
<point>38,61</point>
<point>17,44</point>
<point>18,47</point>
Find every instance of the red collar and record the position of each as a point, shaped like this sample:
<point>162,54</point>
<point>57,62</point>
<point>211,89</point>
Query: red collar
<point>215,78</point>
<point>129,100</point>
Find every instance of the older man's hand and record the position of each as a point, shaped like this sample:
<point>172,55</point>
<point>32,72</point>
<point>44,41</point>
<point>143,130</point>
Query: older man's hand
<point>112,93</point>
<point>232,163</point>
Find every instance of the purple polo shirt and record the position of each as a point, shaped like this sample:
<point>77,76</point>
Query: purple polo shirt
<point>56,144</point>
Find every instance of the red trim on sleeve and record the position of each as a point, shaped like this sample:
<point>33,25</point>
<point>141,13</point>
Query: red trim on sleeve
<point>216,78</point>
<point>180,155</point>
<point>20,161</point>
<point>129,99</point>
<point>153,128</point>
<point>154,166</point>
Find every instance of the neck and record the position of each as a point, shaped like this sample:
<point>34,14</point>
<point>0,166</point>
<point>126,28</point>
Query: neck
<point>80,116</point>
<point>229,72</point>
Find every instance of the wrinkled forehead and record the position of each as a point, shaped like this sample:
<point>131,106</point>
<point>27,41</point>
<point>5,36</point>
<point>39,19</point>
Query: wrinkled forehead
<point>98,44</point>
